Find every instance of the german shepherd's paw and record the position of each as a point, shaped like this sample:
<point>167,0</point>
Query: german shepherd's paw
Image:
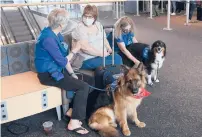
<point>141,125</point>
<point>126,132</point>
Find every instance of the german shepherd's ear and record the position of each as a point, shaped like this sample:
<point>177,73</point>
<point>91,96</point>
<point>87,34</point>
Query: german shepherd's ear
<point>140,67</point>
<point>121,81</point>
<point>125,69</point>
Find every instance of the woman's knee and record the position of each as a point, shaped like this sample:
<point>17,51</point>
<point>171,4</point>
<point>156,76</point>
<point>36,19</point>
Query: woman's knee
<point>84,88</point>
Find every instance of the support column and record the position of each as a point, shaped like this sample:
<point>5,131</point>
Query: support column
<point>187,12</point>
<point>168,16</point>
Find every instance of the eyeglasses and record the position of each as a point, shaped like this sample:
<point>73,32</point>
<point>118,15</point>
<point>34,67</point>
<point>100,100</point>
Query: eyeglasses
<point>88,16</point>
<point>126,30</point>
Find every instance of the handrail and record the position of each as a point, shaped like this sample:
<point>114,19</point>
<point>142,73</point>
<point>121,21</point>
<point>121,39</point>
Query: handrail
<point>9,33</point>
<point>61,3</point>
<point>3,34</point>
<point>28,22</point>
<point>39,29</point>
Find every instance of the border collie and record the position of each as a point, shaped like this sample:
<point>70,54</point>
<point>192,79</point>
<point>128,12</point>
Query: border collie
<point>153,59</point>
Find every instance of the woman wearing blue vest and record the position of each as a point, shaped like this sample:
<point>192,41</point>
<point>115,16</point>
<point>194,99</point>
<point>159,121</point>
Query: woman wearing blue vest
<point>126,45</point>
<point>52,63</point>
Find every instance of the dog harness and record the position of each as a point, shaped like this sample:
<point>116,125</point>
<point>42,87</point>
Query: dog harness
<point>146,53</point>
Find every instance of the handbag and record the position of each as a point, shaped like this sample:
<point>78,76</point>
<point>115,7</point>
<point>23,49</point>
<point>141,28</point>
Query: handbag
<point>77,61</point>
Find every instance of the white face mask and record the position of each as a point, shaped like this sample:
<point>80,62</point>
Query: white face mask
<point>88,22</point>
<point>64,27</point>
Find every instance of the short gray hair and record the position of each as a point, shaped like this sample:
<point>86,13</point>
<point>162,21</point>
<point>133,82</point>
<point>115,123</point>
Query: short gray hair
<point>57,17</point>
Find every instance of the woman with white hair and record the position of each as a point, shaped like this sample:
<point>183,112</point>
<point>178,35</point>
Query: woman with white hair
<point>52,63</point>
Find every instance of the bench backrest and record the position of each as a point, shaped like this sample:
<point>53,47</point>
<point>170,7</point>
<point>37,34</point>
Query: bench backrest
<point>17,58</point>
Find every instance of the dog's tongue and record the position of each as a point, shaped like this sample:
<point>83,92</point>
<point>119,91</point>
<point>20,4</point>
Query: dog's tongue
<point>142,94</point>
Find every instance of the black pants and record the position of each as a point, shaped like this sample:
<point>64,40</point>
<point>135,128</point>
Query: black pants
<point>179,6</point>
<point>136,49</point>
<point>69,83</point>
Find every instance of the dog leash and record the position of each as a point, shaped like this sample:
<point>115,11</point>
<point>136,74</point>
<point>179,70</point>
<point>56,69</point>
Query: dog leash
<point>97,88</point>
<point>112,87</point>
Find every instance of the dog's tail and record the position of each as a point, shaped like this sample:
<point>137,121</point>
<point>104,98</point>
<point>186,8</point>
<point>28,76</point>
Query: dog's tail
<point>105,131</point>
<point>109,131</point>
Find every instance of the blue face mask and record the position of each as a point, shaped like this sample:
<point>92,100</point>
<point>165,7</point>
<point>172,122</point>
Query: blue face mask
<point>126,29</point>
<point>125,33</point>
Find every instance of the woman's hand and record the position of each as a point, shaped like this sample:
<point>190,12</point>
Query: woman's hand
<point>109,51</point>
<point>74,76</point>
<point>105,53</point>
<point>136,62</point>
<point>127,53</point>
<point>76,47</point>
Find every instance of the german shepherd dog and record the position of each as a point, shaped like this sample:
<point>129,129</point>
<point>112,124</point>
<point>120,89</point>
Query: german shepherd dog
<point>124,105</point>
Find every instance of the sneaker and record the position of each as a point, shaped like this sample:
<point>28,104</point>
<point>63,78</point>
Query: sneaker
<point>173,14</point>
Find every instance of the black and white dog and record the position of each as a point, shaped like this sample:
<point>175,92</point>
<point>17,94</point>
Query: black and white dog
<point>153,58</point>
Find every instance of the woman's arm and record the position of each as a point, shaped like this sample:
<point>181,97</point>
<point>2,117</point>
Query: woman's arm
<point>85,47</point>
<point>70,70</point>
<point>50,45</point>
<point>123,49</point>
<point>135,40</point>
<point>74,50</point>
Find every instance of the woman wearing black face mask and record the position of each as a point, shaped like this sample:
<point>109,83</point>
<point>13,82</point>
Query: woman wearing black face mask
<point>126,44</point>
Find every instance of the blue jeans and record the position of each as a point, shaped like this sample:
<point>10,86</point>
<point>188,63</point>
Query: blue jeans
<point>173,5</point>
<point>96,62</point>
<point>191,9</point>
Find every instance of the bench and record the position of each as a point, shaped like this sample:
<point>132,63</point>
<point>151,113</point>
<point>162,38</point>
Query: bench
<point>22,93</point>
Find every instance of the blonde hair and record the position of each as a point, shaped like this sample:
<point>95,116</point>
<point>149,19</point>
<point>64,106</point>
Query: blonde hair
<point>57,17</point>
<point>123,22</point>
<point>91,9</point>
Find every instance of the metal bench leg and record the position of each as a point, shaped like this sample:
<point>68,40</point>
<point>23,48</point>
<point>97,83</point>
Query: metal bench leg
<point>58,110</point>
<point>65,102</point>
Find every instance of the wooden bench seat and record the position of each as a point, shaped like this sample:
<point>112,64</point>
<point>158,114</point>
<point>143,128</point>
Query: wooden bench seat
<point>23,95</point>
